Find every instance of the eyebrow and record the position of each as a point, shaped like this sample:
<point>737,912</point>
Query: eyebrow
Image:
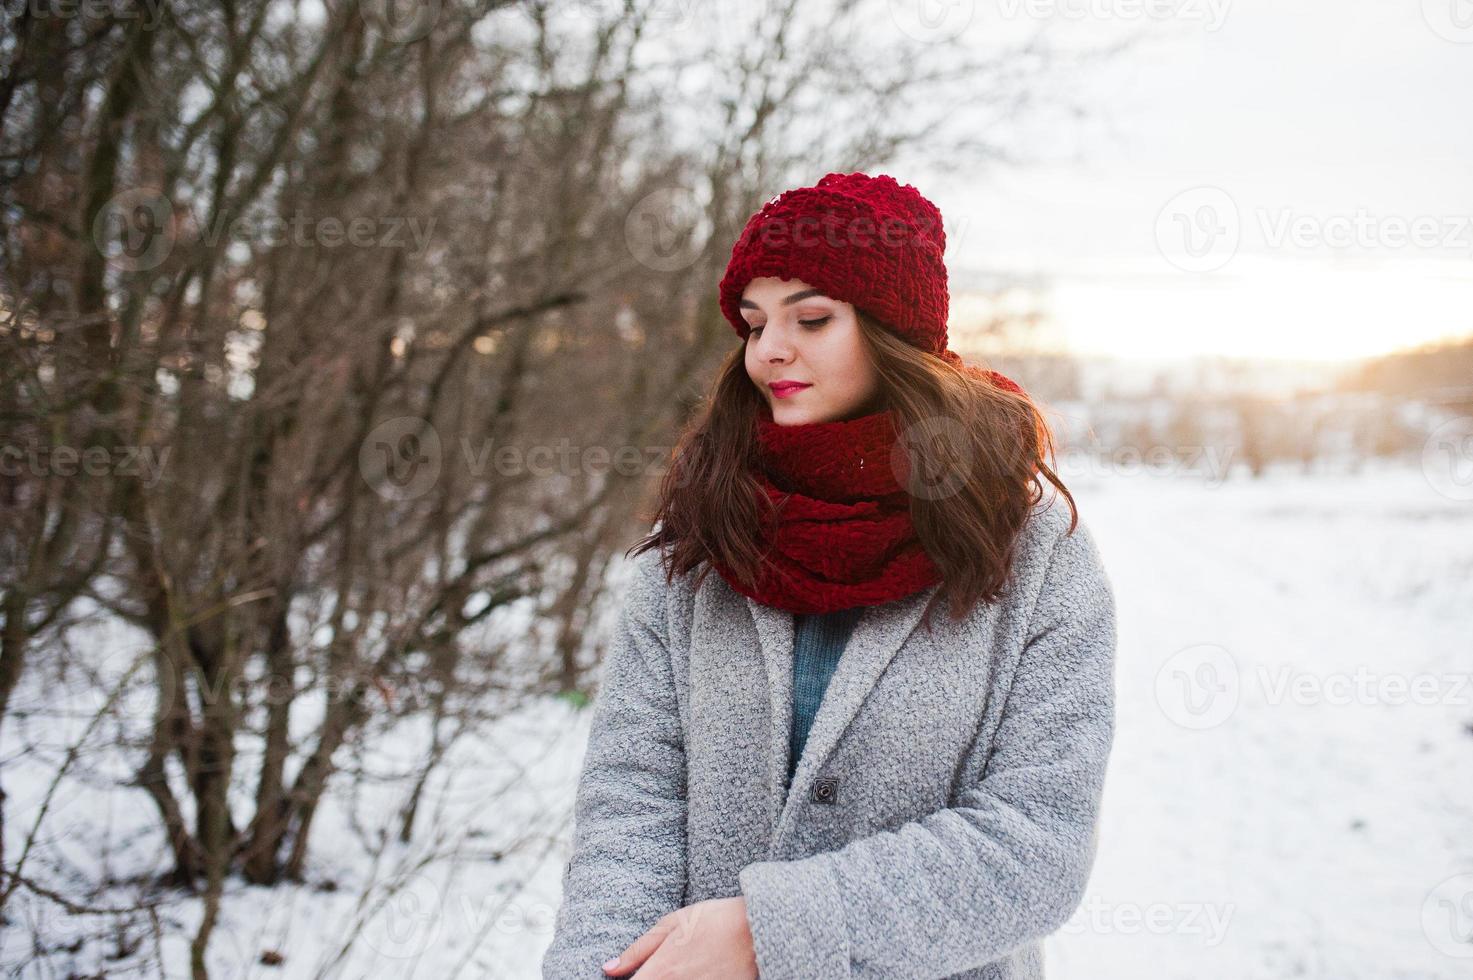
<point>747,304</point>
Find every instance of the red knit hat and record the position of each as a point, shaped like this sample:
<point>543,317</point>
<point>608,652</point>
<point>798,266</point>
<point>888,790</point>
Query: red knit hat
<point>869,241</point>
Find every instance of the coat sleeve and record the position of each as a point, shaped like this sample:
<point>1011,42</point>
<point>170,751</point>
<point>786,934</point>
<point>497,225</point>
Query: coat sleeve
<point>627,867</point>
<point>1009,862</point>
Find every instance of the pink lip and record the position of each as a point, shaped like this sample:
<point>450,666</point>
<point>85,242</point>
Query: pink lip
<point>784,390</point>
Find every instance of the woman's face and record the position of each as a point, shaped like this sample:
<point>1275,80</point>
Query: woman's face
<point>798,334</point>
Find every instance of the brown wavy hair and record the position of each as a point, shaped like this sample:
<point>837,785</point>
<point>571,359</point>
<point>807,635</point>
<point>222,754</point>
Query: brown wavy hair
<point>708,503</point>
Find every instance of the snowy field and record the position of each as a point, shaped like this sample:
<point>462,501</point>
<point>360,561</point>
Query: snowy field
<point>1289,795</point>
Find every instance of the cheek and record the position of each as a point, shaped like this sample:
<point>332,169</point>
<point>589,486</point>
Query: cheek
<point>848,356</point>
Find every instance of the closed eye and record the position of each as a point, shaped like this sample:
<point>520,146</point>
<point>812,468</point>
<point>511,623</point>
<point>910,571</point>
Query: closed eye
<point>810,324</point>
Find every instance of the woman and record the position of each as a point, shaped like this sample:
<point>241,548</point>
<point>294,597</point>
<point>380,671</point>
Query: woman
<point>794,769</point>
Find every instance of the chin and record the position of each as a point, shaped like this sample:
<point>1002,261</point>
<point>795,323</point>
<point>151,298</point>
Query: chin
<point>802,416</point>
<point>793,415</point>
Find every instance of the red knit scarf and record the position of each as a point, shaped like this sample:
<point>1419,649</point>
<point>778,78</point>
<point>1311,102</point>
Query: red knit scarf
<point>844,536</point>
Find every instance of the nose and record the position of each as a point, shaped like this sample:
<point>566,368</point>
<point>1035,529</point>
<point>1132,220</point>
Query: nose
<point>772,346</point>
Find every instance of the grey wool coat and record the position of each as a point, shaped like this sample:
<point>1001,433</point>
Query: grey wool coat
<point>942,818</point>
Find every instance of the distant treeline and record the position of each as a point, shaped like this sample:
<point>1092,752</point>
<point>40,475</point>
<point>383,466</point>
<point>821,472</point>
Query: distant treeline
<point>1434,371</point>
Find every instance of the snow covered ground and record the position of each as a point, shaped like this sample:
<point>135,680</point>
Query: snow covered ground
<point>1289,794</point>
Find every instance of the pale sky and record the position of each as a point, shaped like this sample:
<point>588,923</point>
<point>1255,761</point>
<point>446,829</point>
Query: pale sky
<point>1282,179</point>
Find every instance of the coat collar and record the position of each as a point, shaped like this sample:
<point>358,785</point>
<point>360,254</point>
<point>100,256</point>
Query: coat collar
<point>878,635</point>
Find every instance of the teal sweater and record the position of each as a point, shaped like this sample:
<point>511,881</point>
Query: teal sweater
<point>818,641</point>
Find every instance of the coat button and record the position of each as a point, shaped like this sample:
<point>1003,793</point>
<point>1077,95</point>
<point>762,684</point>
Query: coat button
<point>825,790</point>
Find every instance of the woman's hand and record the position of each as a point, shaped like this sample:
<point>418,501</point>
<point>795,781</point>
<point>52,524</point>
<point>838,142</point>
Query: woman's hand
<point>705,940</point>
